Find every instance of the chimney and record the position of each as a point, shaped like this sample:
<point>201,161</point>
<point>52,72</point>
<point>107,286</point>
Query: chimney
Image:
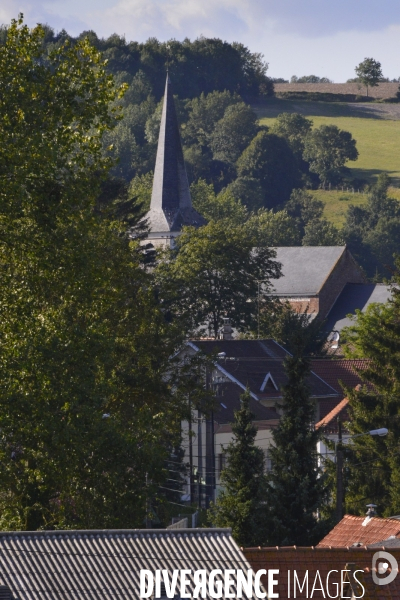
<point>226,331</point>
<point>371,512</point>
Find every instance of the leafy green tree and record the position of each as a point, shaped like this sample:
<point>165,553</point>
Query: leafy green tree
<point>212,273</point>
<point>304,208</point>
<point>269,159</point>
<point>233,133</point>
<point>320,232</point>
<point>310,79</point>
<point>371,230</point>
<point>285,325</point>
<point>204,113</point>
<point>294,128</point>
<point>297,490</point>
<point>216,207</point>
<point>328,148</point>
<point>369,72</point>
<point>373,464</point>
<point>249,191</point>
<point>272,229</point>
<point>140,189</point>
<point>80,386</point>
<point>241,503</point>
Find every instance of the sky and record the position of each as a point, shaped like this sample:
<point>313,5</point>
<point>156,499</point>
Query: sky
<point>327,38</point>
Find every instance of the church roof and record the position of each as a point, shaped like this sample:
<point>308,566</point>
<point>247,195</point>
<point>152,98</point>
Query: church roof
<point>171,204</point>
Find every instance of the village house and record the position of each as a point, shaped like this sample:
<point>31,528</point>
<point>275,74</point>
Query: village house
<point>313,277</point>
<point>256,365</point>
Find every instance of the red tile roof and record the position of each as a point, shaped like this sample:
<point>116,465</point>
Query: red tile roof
<point>339,409</point>
<point>323,561</point>
<point>334,371</point>
<point>352,530</point>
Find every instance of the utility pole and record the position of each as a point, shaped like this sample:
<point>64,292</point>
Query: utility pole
<point>200,458</point>
<point>147,503</point>
<point>191,482</point>
<point>339,473</point>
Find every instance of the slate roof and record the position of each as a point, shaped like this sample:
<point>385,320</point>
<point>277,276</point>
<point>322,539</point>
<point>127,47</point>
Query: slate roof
<point>248,362</point>
<point>228,401</point>
<point>171,204</point>
<point>352,530</point>
<point>322,560</point>
<point>93,565</point>
<point>305,269</point>
<point>391,542</point>
<point>355,296</point>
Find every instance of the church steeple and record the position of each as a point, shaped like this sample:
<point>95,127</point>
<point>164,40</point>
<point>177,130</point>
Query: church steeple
<point>171,204</point>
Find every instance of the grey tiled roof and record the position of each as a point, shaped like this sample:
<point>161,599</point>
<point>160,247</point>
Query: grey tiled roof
<point>228,401</point>
<point>249,361</point>
<point>171,204</point>
<point>93,565</point>
<point>355,296</point>
<point>305,268</point>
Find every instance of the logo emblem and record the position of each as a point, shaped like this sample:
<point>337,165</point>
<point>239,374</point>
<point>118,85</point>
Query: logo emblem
<point>386,560</point>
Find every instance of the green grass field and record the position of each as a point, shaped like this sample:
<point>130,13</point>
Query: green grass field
<point>375,127</point>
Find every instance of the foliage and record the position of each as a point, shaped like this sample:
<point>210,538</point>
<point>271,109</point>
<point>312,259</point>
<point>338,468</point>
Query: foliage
<point>327,148</point>
<point>216,208</point>
<point>304,208</point>
<point>373,466</point>
<point>140,189</point>
<point>233,133</point>
<point>369,72</point>
<point>285,326</point>
<point>248,190</point>
<point>321,232</point>
<point>272,229</point>
<point>294,128</point>
<point>212,273</point>
<point>371,231</point>
<point>80,417</point>
<point>269,159</point>
<point>241,503</point>
<point>310,79</point>
<point>297,490</point>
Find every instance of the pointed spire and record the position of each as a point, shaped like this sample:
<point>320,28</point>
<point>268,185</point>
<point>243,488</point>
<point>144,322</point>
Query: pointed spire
<point>171,204</point>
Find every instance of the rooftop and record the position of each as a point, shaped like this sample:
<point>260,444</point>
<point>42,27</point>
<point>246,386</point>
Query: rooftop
<point>171,204</point>
<point>259,366</point>
<point>360,530</point>
<point>323,561</point>
<point>44,565</point>
<point>355,296</point>
<point>338,372</point>
<point>305,268</point>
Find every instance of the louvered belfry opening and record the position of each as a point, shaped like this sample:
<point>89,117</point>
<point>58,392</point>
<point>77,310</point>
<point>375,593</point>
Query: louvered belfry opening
<point>5,593</point>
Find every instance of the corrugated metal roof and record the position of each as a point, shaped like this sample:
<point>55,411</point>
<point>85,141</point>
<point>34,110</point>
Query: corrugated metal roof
<point>305,268</point>
<point>106,564</point>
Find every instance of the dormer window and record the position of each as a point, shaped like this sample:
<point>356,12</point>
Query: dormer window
<point>268,383</point>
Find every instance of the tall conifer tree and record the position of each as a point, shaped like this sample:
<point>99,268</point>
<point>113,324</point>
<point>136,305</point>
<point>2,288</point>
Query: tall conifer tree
<point>296,489</point>
<point>373,463</point>
<point>241,505</point>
